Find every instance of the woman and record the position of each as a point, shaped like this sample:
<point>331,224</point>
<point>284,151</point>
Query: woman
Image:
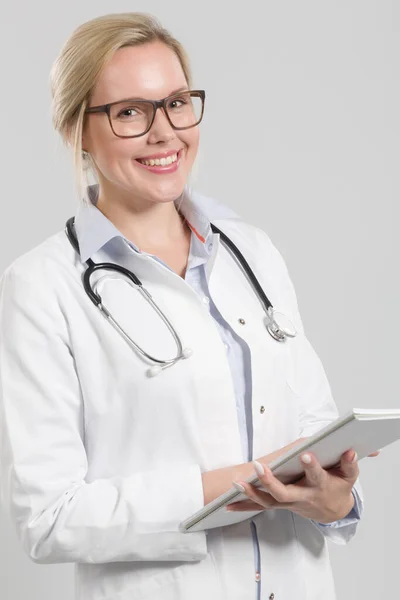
<point>104,455</point>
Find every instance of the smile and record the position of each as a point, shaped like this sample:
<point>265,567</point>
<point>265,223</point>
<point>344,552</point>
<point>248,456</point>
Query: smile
<point>167,164</point>
<point>160,161</point>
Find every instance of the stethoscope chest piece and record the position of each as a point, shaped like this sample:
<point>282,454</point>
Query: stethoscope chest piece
<point>279,326</point>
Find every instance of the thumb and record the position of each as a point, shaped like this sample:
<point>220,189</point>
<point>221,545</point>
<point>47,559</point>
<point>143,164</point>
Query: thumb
<point>349,465</point>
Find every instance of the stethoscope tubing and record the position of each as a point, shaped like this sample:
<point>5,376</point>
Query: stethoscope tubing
<point>272,326</point>
<point>97,301</point>
<point>246,268</point>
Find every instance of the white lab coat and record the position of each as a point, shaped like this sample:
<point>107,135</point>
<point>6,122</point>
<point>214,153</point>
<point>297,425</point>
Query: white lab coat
<point>100,463</point>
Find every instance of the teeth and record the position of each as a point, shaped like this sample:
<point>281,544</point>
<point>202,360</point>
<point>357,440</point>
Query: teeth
<point>160,162</point>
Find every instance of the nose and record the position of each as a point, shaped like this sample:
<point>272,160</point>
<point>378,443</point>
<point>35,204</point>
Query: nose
<point>161,129</point>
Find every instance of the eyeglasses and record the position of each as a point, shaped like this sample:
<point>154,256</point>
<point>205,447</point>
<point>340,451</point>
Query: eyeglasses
<point>133,118</point>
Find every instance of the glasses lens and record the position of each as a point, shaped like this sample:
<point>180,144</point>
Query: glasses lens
<point>131,117</point>
<point>185,109</point>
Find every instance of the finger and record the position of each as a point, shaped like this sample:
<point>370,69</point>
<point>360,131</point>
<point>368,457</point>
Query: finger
<point>349,465</point>
<point>256,495</point>
<point>281,492</point>
<point>313,471</point>
<point>245,505</point>
<point>375,453</point>
<point>250,505</point>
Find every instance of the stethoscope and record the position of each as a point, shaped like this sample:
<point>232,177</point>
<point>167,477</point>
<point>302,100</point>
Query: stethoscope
<point>279,332</point>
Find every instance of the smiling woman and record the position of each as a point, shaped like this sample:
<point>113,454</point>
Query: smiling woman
<point>103,456</point>
<point>127,104</point>
<point>147,71</point>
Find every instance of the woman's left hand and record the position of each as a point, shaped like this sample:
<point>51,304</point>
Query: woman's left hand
<point>322,495</point>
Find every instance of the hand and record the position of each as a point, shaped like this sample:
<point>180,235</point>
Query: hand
<point>322,495</point>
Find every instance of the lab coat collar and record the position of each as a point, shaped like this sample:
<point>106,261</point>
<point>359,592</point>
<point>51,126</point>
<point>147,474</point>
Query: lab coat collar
<point>94,229</point>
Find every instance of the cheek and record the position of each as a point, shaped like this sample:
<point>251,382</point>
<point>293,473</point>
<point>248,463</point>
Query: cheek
<point>111,150</point>
<point>102,143</point>
<point>191,139</point>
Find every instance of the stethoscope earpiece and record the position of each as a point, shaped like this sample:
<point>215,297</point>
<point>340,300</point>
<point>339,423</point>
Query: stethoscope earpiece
<point>156,369</point>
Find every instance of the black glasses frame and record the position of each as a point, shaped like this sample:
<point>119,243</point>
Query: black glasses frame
<point>156,104</point>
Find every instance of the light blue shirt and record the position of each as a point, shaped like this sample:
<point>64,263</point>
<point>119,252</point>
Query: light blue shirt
<point>96,230</point>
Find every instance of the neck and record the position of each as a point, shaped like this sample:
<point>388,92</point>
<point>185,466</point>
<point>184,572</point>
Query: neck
<point>148,225</point>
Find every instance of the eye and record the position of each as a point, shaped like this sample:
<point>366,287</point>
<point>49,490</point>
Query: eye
<point>177,103</point>
<point>127,112</point>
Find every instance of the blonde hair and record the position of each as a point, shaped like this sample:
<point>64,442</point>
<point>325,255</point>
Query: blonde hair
<point>76,70</point>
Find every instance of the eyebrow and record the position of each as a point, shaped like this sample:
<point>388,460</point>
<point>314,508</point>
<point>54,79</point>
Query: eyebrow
<point>181,89</point>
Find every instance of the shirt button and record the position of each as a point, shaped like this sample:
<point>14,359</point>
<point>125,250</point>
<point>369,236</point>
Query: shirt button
<point>258,577</point>
<point>209,247</point>
<point>206,300</point>
<point>262,409</point>
<point>226,347</point>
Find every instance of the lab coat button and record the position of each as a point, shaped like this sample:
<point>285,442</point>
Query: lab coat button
<point>206,300</point>
<point>258,577</point>
<point>271,596</point>
<point>262,409</point>
<point>226,346</point>
<point>242,321</point>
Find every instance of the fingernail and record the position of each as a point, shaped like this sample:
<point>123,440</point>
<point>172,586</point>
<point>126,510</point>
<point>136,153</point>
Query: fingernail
<point>355,457</point>
<point>306,458</point>
<point>258,467</point>
<point>239,487</point>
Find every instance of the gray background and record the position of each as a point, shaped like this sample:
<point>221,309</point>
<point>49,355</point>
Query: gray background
<point>317,170</point>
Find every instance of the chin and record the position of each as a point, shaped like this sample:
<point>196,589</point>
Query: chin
<point>166,193</point>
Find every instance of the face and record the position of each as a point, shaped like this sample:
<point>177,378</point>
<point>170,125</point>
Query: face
<point>152,72</point>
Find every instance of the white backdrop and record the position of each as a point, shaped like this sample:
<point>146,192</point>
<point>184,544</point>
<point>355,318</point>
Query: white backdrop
<point>315,165</point>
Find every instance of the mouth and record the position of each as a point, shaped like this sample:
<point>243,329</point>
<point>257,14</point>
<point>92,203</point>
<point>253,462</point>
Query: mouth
<point>168,164</point>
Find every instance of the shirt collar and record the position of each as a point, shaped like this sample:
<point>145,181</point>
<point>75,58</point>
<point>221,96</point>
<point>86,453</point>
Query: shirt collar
<point>94,230</point>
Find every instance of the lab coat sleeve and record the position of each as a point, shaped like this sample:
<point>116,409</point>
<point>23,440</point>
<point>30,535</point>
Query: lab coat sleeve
<point>307,379</point>
<point>59,517</point>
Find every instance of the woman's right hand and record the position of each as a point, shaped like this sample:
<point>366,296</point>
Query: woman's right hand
<point>219,481</point>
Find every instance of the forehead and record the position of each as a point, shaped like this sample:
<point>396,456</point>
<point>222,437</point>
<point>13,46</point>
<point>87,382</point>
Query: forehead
<point>149,71</point>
